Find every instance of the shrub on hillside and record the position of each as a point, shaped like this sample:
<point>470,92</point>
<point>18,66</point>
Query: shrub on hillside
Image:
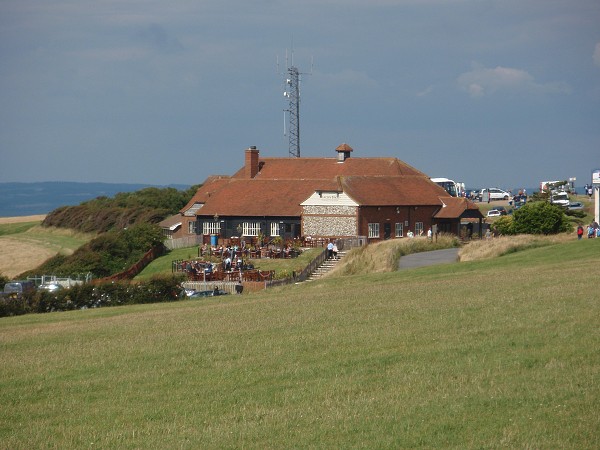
<point>150,205</point>
<point>540,218</point>
<point>106,255</point>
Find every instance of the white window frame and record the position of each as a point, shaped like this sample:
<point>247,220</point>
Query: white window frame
<point>192,225</point>
<point>211,228</point>
<point>419,228</point>
<point>275,229</point>
<point>251,228</point>
<point>399,229</point>
<point>374,230</point>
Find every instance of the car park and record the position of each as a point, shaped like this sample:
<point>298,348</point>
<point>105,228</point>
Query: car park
<point>494,194</point>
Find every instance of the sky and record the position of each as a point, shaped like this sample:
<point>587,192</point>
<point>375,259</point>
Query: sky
<point>496,93</point>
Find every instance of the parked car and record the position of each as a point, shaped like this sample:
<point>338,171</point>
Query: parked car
<point>502,210</point>
<point>50,287</point>
<point>575,205</point>
<point>495,194</point>
<point>17,288</point>
<point>493,213</point>
<point>213,293</point>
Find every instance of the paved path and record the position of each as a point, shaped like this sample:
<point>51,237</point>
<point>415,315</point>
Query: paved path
<point>445,256</point>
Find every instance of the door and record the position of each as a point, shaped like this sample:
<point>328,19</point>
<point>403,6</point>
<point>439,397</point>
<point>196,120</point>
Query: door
<point>387,230</point>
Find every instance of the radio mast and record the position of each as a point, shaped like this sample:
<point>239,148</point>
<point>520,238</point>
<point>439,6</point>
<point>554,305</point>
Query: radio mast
<point>292,93</point>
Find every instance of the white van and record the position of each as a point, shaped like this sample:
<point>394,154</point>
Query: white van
<point>560,198</point>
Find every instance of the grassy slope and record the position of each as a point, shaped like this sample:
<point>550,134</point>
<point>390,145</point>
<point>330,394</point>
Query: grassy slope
<point>26,245</point>
<point>496,353</point>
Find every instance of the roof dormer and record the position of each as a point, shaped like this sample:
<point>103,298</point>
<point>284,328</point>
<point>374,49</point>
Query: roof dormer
<point>343,151</point>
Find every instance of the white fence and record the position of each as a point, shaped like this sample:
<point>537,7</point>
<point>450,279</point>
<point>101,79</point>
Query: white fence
<point>64,282</point>
<point>183,242</point>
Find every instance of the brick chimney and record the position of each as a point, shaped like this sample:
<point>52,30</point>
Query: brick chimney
<point>251,167</point>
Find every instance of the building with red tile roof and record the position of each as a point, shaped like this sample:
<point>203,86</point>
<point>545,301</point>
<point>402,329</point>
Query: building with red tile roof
<point>343,196</point>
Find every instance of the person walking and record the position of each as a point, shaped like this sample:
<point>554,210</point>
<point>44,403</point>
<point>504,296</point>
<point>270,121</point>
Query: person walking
<point>330,250</point>
<point>579,232</point>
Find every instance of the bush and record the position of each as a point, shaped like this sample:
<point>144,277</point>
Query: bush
<point>540,218</point>
<point>94,295</point>
<point>504,226</point>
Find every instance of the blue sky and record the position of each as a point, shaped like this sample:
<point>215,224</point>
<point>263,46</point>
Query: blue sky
<point>492,93</point>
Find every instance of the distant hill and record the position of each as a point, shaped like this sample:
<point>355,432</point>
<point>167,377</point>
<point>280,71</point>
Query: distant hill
<point>24,199</point>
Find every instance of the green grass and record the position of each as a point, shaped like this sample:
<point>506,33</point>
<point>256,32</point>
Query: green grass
<point>7,229</point>
<point>57,238</point>
<point>53,238</point>
<point>488,354</point>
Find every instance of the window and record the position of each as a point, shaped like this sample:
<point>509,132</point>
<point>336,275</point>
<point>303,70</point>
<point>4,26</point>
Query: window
<point>274,228</point>
<point>211,228</point>
<point>373,230</point>
<point>251,228</point>
<point>399,230</point>
<point>191,227</point>
<point>418,228</point>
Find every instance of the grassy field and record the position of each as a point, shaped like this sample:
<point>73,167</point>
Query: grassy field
<point>25,244</point>
<point>496,353</point>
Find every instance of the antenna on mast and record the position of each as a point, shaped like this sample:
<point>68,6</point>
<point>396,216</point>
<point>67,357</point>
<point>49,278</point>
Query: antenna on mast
<point>292,93</point>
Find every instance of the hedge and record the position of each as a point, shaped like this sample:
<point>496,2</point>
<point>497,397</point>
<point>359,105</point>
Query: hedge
<point>94,295</point>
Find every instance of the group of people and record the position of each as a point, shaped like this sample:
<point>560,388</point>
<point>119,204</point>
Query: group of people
<point>198,269</point>
<point>593,231</point>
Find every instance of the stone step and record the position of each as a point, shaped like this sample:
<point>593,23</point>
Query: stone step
<point>325,267</point>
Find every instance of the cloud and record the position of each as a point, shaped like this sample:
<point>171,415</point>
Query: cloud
<point>597,54</point>
<point>485,81</point>
<point>425,92</point>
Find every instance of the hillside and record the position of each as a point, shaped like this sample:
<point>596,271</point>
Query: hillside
<point>494,353</point>
<point>23,199</point>
<point>25,244</point>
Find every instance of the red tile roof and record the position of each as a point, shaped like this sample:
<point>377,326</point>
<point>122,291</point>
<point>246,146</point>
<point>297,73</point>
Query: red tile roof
<point>281,184</point>
<point>253,197</point>
<point>390,191</point>
<point>457,207</point>
<point>327,168</point>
